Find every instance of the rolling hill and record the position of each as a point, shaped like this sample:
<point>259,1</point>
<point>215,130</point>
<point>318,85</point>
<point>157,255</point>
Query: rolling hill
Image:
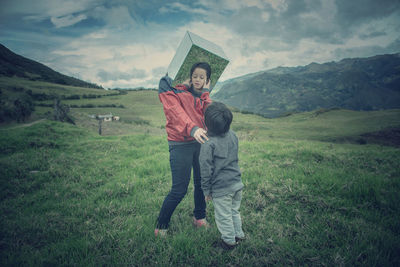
<point>357,83</point>
<point>12,64</point>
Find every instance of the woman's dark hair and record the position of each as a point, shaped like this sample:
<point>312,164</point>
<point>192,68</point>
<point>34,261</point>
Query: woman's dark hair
<point>218,118</point>
<point>202,65</point>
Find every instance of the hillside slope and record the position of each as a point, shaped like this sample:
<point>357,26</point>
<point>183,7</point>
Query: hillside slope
<point>12,64</point>
<point>358,84</point>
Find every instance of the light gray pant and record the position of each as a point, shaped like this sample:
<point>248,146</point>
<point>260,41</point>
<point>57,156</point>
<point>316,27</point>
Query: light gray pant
<point>227,216</point>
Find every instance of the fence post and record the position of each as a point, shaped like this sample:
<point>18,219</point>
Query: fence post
<point>100,121</point>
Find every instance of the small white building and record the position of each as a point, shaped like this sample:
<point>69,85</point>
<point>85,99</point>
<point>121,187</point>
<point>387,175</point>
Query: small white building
<point>107,117</point>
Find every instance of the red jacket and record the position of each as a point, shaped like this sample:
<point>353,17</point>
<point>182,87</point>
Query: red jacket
<point>184,110</point>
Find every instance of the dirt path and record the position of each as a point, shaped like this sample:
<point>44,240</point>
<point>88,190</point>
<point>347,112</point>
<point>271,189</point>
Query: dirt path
<point>25,124</point>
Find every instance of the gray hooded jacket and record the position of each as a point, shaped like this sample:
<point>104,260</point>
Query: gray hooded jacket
<point>220,173</point>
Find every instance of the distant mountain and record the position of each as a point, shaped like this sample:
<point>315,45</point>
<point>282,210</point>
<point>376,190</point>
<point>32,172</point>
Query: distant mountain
<point>219,85</point>
<point>12,64</point>
<point>356,83</point>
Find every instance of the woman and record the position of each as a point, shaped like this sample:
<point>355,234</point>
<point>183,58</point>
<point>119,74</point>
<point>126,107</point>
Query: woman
<point>184,107</point>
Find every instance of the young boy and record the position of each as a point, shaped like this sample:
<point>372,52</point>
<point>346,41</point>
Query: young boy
<point>220,173</point>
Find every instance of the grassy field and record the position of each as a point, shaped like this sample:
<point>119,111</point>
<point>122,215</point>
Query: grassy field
<point>317,191</point>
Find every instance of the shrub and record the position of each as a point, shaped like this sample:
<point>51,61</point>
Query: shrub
<point>61,112</point>
<point>44,105</point>
<point>23,107</point>
<point>18,89</point>
<point>246,112</point>
<point>88,106</point>
<point>138,121</point>
<point>91,96</point>
<point>39,96</point>
<point>72,97</point>
<point>19,108</point>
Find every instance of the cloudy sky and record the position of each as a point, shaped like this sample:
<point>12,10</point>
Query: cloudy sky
<point>130,43</point>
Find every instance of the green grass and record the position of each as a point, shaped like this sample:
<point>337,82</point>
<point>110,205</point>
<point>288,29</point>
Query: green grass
<point>333,126</point>
<point>313,196</point>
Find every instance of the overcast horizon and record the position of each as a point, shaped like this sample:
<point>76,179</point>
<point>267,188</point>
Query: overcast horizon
<point>127,44</point>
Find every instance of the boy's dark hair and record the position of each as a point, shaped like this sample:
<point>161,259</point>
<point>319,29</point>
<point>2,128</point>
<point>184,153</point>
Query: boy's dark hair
<point>218,118</point>
<point>202,65</point>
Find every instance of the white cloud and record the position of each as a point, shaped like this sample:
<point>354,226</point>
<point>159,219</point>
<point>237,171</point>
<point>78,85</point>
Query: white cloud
<point>265,16</point>
<point>234,5</point>
<point>118,17</point>
<point>60,8</point>
<point>97,35</point>
<point>114,75</point>
<point>45,9</point>
<point>178,7</point>
<point>68,20</point>
<point>278,5</point>
<point>130,62</point>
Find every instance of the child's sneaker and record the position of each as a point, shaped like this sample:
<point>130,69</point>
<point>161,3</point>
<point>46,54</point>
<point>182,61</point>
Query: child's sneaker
<point>239,239</point>
<point>160,232</point>
<point>227,246</point>
<point>200,223</point>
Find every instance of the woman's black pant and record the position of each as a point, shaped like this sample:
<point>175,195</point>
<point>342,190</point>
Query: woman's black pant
<point>182,159</point>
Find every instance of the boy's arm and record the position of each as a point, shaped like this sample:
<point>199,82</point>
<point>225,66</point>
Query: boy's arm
<point>206,160</point>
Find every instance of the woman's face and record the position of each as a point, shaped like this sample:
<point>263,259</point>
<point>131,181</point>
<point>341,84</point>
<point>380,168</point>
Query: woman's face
<point>199,77</point>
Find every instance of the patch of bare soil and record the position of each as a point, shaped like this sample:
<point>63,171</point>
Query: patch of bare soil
<point>387,137</point>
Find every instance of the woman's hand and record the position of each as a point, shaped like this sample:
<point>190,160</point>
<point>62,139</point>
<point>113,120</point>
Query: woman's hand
<point>207,85</point>
<point>200,135</point>
<point>207,198</point>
